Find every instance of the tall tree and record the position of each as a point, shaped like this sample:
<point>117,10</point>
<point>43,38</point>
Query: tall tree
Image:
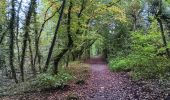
<point>158,18</point>
<point>17,29</point>
<point>11,45</point>
<point>39,33</point>
<point>54,37</point>
<point>26,35</point>
<point>70,41</point>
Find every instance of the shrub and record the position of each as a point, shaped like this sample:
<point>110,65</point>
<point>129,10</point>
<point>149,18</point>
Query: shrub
<point>79,71</point>
<point>50,81</point>
<point>119,64</point>
<point>76,72</point>
<point>143,59</point>
<point>142,66</point>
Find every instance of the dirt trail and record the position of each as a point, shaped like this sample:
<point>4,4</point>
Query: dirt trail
<point>106,85</point>
<point>102,85</point>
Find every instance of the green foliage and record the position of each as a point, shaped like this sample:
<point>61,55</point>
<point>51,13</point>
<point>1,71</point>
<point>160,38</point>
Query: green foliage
<point>143,60</point>
<point>152,68</point>
<point>3,6</point>
<point>74,72</point>
<point>142,66</point>
<point>117,42</point>
<point>40,83</point>
<point>119,64</point>
<point>98,46</point>
<point>50,81</point>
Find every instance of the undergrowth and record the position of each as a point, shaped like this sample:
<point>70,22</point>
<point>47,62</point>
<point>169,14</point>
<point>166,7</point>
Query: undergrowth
<point>74,72</point>
<point>147,58</point>
<point>142,67</point>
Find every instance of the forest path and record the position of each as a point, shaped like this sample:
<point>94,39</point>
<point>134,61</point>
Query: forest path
<point>106,85</point>
<point>101,85</point>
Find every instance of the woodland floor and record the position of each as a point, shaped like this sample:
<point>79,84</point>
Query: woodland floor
<point>102,85</point>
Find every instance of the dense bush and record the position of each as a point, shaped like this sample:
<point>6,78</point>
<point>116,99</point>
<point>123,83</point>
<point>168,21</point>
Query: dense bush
<point>75,72</point>
<point>144,60</point>
<point>142,66</point>
<point>50,81</point>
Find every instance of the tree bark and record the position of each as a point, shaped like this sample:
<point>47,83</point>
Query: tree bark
<point>70,41</point>
<point>54,38</point>
<point>3,35</point>
<point>163,36</point>
<point>83,4</point>
<point>11,46</point>
<point>31,57</point>
<point>26,35</point>
<point>134,23</point>
<point>157,15</point>
<point>38,34</point>
<point>17,30</point>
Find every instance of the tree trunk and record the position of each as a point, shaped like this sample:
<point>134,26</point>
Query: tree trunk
<point>11,46</point>
<point>38,35</point>
<point>157,15</point>
<point>54,38</point>
<point>3,35</point>
<point>67,60</point>
<point>17,32</point>
<point>36,38</point>
<point>134,23</point>
<point>39,61</point>
<point>31,57</point>
<point>37,51</point>
<point>27,24</point>
<point>163,36</point>
<point>70,41</point>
